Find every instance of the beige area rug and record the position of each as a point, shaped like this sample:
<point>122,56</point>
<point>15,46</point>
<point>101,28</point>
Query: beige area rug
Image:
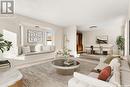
<point>44,75</point>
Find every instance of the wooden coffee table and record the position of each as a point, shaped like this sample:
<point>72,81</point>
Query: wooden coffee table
<point>64,69</point>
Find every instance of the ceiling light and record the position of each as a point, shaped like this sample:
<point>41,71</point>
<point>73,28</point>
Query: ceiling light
<point>93,26</point>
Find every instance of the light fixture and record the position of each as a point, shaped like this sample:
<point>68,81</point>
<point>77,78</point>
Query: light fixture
<point>93,26</point>
<point>37,26</point>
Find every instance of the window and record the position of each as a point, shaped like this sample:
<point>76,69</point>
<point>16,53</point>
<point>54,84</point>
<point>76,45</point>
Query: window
<point>11,36</point>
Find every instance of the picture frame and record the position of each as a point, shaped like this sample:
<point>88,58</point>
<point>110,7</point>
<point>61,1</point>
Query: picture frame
<point>102,39</point>
<point>34,36</point>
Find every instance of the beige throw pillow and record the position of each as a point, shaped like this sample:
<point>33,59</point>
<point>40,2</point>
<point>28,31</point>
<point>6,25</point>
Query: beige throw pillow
<point>108,59</point>
<point>26,49</point>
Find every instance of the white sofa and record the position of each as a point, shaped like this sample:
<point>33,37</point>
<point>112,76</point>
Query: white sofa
<point>37,49</point>
<point>120,76</point>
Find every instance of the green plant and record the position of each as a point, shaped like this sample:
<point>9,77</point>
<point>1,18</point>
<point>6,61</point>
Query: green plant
<point>4,44</point>
<point>120,42</point>
<point>66,52</point>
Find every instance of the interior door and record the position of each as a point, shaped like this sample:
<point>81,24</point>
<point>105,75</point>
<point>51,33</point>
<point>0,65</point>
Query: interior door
<point>79,42</point>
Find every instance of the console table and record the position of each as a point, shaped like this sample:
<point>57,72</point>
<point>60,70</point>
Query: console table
<point>100,48</point>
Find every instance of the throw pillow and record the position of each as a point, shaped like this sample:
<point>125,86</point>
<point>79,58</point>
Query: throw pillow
<point>108,59</point>
<point>105,73</point>
<point>38,48</point>
<point>114,62</point>
<point>32,48</point>
<point>26,49</point>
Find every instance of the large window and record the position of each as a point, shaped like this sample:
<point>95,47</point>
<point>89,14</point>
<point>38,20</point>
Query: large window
<point>11,36</point>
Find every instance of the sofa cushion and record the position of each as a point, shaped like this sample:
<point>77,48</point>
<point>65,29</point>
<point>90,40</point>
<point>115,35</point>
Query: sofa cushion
<point>115,79</point>
<point>105,73</point>
<point>125,65</point>
<point>74,82</point>
<point>93,82</point>
<point>94,75</point>
<point>114,62</point>
<point>125,73</point>
<point>125,78</point>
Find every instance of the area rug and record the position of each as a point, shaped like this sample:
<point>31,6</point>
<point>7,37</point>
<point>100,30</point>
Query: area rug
<point>44,75</point>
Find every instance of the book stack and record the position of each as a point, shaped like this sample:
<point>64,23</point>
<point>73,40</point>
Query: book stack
<point>4,64</point>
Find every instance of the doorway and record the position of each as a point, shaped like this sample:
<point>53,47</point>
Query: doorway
<point>79,42</point>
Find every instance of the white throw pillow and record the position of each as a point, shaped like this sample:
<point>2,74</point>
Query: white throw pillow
<point>26,49</point>
<point>38,48</point>
<point>114,62</point>
<point>46,48</point>
<point>32,48</point>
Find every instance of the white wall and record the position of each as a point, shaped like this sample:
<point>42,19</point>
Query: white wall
<point>128,28</point>
<point>126,35</point>
<point>13,23</point>
<point>129,10</point>
<point>58,30</point>
<point>111,28</point>
<point>70,33</point>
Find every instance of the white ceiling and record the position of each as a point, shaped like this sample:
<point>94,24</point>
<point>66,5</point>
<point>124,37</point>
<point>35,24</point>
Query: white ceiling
<point>72,12</point>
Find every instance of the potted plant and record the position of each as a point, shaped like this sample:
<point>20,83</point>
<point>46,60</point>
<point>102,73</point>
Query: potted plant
<point>4,44</point>
<point>66,54</point>
<point>120,44</point>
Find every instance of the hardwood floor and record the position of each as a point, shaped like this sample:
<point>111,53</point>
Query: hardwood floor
<point>17,84</point>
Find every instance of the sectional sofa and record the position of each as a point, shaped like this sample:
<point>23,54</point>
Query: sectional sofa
<point>120,76</point>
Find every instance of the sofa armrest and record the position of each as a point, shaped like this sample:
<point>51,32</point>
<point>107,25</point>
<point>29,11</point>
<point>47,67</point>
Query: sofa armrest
<point>92,81</point>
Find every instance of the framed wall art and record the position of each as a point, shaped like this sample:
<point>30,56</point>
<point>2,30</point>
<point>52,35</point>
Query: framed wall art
<point>34,36</point>
<point>103,39</point>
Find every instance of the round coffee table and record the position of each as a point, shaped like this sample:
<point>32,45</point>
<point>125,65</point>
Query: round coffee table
<point>64,69</point>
